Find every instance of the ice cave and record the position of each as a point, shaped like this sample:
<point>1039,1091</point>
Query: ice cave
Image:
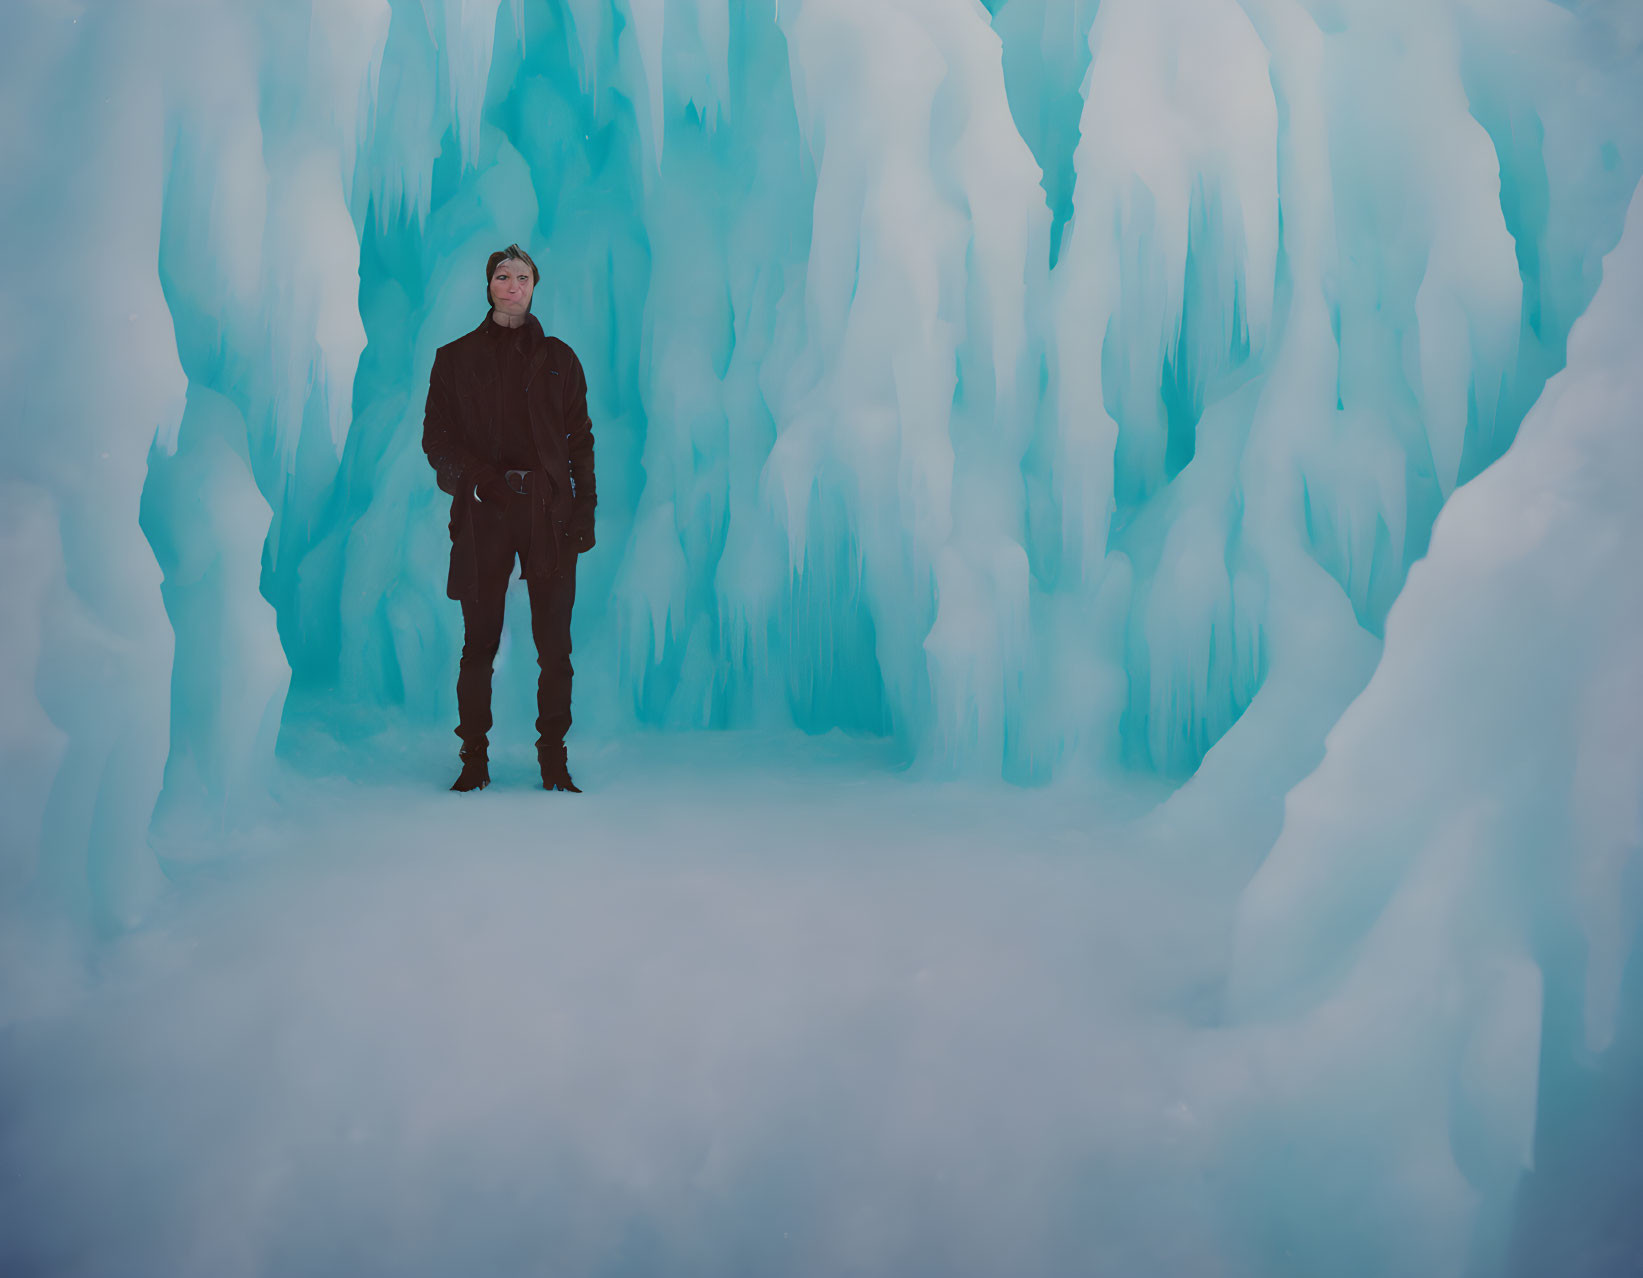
<point>1108,692</point>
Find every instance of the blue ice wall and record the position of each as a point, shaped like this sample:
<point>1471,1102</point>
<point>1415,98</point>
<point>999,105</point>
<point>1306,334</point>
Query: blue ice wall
<point>1454,898</point>
<point>1052,388</point>
<point>1049,387</point>
<point>872,463</point>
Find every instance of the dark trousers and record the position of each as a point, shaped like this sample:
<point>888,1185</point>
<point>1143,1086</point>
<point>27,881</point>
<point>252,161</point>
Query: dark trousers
<point>502,533</point>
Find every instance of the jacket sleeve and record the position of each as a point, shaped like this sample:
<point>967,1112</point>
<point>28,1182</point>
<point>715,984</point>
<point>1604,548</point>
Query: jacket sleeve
<point>579,441</point>
<point>456,469</point>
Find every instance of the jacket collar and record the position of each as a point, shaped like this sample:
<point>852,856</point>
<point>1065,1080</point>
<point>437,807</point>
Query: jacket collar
<point>536,341</point>
<point>532,327</point>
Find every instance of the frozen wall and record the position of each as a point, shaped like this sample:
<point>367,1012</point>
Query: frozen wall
<point>874,464</point>
<point>1052,388</point>
<point>1049,389</point>
<point>1467,861</point>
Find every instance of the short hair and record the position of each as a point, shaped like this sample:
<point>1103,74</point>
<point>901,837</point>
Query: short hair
<point>502,255</point>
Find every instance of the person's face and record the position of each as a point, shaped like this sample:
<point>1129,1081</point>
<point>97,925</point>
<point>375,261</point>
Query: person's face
<point>511,286</point>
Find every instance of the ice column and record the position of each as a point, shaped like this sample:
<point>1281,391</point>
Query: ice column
<point>1483,794</point>
<point>929,238</point>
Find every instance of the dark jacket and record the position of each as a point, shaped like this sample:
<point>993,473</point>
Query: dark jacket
<point>459,437</point>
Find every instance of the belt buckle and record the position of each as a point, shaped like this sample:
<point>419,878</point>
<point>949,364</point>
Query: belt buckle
<point>518,485</point>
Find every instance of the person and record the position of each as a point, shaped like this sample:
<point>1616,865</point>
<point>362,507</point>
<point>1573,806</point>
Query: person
<point>507,433</point>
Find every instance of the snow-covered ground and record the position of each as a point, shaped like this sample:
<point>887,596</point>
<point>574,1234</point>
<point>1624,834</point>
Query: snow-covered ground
<point>748,1005</point>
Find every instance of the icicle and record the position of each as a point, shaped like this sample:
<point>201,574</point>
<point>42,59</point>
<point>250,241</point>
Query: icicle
<point>468,31</point>
<point>345,50</point>
<point>590,18</point>
<point>649,17</point>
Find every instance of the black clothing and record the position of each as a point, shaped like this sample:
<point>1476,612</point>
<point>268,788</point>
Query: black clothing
<point>476,769</point>
<point>462,434</point>
<point>503,401</point>
<point>512,447</point>
<point>555,769</point>
<point>502,533</point>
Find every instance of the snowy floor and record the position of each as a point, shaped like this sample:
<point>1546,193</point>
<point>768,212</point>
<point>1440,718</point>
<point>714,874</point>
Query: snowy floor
<point>746,1006</point>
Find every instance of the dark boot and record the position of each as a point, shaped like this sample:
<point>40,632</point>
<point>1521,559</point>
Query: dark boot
<point>476,770</point>
<point>555,769</point>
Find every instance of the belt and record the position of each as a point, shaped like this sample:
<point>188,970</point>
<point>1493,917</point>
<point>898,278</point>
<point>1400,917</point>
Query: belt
<point>544,531</point>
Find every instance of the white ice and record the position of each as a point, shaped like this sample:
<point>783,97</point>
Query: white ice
<point>1107,690</point>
